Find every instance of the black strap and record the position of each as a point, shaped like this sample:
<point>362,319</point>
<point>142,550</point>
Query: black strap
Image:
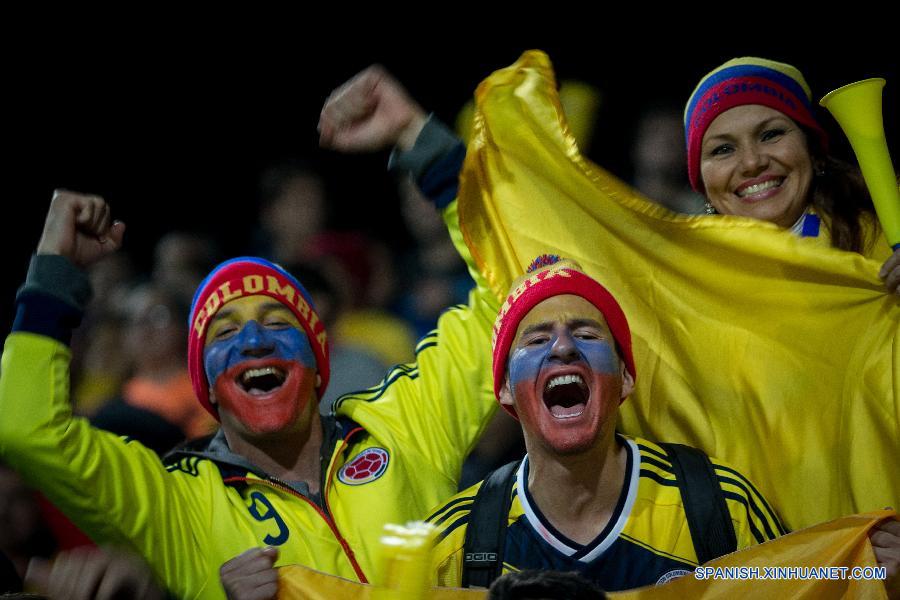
<point>704,503</point>
<point>486,530</point>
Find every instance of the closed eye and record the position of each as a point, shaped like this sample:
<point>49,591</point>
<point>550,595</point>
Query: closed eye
<point>536,340</point>
<point>771,134</point>
<point>225,332</point>
<point>277,318</point>
<point>276,323</point>
<point>588,335</point>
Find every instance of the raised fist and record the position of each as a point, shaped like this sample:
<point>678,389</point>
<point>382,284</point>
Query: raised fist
<point>79,227</point>
<point>370,112</point>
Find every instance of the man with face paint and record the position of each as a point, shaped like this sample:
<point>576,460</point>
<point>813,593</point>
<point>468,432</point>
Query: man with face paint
<point>584,498</point>
<point>278,483</point>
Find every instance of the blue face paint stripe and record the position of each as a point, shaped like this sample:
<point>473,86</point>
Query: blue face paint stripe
<point>525,363</point>
<point>290,343</point>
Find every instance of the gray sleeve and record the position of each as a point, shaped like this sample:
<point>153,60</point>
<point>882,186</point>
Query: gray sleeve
<point>435,141</point>
<point>56,276</point>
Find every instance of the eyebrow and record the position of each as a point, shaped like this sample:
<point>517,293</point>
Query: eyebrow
<point>268,307</point>
<point>761,125</point>
<point>573,323</point>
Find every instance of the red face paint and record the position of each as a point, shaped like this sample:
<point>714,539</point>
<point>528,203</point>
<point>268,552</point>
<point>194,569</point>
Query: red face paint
<point>565,376</point>
<point>573,426</point>
<point>266,412</point>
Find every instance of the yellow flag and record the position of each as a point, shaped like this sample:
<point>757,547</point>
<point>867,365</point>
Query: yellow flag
<point>839,550</point>
<point>302,583</point>
<point>772,352</point>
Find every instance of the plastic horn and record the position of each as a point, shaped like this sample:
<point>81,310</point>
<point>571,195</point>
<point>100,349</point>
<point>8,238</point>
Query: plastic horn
<point>857,109</point>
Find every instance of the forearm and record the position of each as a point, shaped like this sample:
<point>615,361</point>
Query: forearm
<point>34,381</point>
<point>434,163</point>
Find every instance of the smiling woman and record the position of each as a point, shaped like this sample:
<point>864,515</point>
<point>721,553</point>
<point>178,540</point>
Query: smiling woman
<point>755,163</point>
<point>756,150</point>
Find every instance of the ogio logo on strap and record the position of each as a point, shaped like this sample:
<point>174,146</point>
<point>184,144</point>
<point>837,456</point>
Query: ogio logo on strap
<point>478,558</point>
<point>367,466</point>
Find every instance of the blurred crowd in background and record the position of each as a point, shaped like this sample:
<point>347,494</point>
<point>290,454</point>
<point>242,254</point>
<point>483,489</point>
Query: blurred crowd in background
<point>129,370</point>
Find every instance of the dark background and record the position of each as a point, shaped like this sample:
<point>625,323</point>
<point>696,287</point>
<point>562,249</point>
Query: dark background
<point>173,125</point>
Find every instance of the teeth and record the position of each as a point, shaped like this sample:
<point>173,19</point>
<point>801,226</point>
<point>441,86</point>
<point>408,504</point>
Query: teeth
<point>564,380</point>
<point>759,187</point>
<point>251,373</point>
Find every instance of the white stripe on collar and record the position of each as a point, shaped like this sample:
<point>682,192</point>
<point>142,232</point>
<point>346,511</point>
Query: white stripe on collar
<point>797,228</point>
<point>532,514</point>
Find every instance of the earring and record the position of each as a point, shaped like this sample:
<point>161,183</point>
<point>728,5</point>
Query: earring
<point>709,208</point>
<point>819,171</point>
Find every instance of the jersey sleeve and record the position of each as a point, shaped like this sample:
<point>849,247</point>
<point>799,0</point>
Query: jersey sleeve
<point>754,519</point>
<point>116,491</point>
<point>451,520</point>
<point>439,405</point>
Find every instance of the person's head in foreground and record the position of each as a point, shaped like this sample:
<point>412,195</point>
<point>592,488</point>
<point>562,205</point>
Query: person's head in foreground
<point>544,585</point>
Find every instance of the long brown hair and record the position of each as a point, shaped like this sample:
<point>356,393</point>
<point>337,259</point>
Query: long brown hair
<point>840,195</point>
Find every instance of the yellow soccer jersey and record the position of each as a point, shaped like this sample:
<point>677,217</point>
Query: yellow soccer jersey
<point>646,541</point>
<point>392,452</point>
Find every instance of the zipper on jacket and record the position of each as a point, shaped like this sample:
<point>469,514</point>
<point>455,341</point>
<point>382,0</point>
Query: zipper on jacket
<point>323,511</point>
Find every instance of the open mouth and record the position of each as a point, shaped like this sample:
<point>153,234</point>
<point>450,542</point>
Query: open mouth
<point>566,396</point>
<point>261,380</point>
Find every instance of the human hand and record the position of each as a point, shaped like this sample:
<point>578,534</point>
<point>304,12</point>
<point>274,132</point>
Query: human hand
<point>890,272</point>
<point>92,574</point>
<point>370,112</point>
<point>251,575</point>
<point>79,227</point>
<point>885,539</point>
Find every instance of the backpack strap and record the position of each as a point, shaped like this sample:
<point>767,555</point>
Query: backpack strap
<point>486,530</point>
<point>704,503</point>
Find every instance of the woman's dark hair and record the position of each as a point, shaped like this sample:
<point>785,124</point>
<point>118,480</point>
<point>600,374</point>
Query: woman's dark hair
<point>839,193</point>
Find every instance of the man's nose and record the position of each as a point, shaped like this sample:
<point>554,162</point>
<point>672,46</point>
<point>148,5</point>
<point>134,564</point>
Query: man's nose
<point>254,342</point>
<point>564,348</point>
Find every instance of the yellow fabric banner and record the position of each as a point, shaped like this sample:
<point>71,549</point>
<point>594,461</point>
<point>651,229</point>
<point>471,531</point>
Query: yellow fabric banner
<point>829,547</point>
<point>301,583</point>
<point>773,352</point>
<point>835,549</point>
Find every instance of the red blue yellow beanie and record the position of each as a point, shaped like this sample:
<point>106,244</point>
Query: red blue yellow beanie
<point>741,81</point>
<point>550,276</point>
<point>246,276</point>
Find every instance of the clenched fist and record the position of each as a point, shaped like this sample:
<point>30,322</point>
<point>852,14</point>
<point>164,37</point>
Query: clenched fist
<point>79,227</point>
<point>370,112</point>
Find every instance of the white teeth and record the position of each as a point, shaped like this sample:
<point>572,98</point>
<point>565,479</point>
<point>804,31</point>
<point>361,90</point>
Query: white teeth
<point>563,380</point>
<point>759,187</point>
<point>250,373</point>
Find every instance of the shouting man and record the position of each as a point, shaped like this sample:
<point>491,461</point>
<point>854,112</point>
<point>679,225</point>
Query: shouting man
<point>317,489</point>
